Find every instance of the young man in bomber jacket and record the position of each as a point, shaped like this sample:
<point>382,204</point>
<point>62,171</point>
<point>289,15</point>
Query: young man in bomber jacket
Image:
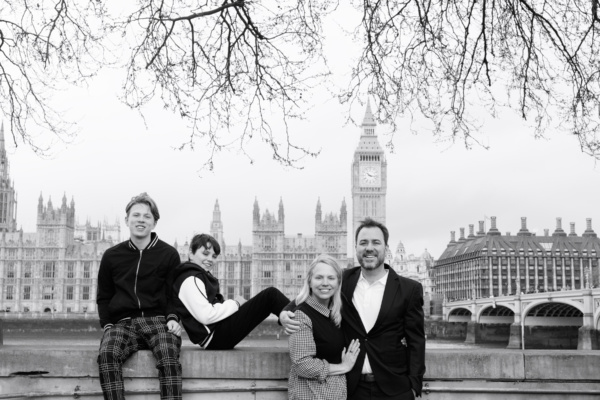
<point>135,303</point>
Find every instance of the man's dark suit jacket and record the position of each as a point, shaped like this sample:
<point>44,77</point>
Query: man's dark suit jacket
<point>397,368</point>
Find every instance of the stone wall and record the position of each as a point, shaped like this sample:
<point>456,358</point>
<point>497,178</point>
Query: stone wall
<point>253,373</point>
<point>445,330</point>
<point>551,337</point>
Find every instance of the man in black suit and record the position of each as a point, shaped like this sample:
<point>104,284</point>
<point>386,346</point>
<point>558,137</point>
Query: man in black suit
<point>385,312</point>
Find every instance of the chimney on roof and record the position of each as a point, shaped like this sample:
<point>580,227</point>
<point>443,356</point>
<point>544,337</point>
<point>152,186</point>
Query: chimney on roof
<point>452,237</point>
<point>589,232</point>
<point>462,235</point>
<point>481,230</point>
<point>546,232</point>
<point>524,231</point>
<point>559,231</point>
<point>493,230</point>
<point>572,232</point>
<point>471,230</point>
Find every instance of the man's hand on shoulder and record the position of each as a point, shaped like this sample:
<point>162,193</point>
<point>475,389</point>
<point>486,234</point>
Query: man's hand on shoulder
<point>174,327</point>
<point>288,322</point>
<point>240,300</point>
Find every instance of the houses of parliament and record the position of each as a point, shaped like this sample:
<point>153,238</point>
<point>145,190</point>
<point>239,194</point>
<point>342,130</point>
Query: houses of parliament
<point>54,270</point>
<point>275,259</point>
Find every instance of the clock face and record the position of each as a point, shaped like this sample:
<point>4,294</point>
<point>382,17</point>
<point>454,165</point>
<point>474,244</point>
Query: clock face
<point>370,176</point>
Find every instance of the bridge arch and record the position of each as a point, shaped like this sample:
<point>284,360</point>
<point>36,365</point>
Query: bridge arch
<point>571,303</point>
<point>500,314</point>
<point>459,314</point>
<point>556,313</point>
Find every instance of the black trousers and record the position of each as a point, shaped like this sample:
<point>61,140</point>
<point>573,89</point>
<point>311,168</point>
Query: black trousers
<point>233,329</point>
<point>370,391</point>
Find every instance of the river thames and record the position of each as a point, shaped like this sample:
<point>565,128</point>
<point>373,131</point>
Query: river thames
<point>67,339</point>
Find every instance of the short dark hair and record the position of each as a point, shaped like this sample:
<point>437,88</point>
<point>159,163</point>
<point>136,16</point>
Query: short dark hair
<point>143,198</point>
<point>370,223</point>
<point>202,240</point>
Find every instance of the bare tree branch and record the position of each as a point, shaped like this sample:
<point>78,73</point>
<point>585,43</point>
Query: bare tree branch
<point>44,47</point>
<point>428,59</point>
<point>238,71</point>
<point>226,67</point>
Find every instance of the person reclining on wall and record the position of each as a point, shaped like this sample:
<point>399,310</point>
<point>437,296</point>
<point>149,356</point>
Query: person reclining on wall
<point>211,321</point>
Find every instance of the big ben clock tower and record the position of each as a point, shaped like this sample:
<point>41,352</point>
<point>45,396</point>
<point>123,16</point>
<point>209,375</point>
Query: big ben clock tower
<point>369,176</point>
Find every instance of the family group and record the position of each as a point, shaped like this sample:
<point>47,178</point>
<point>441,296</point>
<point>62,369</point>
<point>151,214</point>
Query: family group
<point>355,333</point>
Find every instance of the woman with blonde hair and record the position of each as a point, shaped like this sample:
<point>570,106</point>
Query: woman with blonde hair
<point>319,358</point>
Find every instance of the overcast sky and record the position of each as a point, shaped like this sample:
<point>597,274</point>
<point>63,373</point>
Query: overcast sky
<point>433,188</point>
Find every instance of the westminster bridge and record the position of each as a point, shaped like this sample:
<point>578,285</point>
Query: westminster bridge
<point>544,309</point>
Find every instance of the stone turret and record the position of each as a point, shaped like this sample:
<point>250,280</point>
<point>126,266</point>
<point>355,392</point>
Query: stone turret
<point>56,227</point>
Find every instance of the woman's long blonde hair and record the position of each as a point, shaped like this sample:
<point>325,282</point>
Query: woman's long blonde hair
<point>336,299</point>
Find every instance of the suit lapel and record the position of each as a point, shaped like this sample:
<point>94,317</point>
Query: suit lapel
<point>392,286</point>
<point>349,312</point>
<point>349,284</point>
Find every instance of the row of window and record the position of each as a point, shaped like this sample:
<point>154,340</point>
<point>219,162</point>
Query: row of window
<point>230,291</point>
<point>46,310</point>
<point>49,270</point>
<point>47,293</point>
<point>289,256</point>
<point>531,261</point>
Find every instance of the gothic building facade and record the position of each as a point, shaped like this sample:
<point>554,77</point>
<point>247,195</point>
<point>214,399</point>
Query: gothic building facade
<point>275,259</point>
<point>53,269</point>
<point>282,261</point>
<point>50,270</point>
<point>8,196</point>
<point>418,268</point>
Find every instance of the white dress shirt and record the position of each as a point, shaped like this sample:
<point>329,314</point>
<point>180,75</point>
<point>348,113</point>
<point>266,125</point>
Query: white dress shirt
<point>367,299</point>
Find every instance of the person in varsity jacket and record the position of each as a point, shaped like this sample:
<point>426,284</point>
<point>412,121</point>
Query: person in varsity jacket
<point>135,303</point>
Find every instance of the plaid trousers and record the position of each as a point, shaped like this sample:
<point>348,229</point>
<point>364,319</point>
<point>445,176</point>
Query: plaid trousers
<point>128,336</point>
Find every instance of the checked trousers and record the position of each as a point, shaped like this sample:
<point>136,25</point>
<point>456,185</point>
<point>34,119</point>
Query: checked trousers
<point>130,335</point>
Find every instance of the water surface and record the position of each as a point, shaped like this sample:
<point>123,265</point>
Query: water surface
<point>71,339</point>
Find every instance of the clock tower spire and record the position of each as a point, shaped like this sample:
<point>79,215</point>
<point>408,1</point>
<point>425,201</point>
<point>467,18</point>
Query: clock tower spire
<point>369,175</point>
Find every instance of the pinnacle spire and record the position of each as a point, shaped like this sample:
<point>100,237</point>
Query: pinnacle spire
<point>368,123</point>
<point>3,158</point>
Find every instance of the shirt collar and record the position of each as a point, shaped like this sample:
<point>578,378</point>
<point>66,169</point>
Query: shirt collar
<point>318,306</point>
<point>381,280</point>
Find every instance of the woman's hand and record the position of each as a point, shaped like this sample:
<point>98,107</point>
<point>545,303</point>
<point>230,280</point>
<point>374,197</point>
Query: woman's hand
<point>349,356</point>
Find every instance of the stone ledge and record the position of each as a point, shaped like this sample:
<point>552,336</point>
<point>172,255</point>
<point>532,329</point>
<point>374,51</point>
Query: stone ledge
<point>258,373</point>
<point>563,365</point>
<point>258,363</point>
<point>475,364</point>
<point>243,363</point>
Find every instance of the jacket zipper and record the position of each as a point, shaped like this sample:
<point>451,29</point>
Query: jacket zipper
<point>135,284</point>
